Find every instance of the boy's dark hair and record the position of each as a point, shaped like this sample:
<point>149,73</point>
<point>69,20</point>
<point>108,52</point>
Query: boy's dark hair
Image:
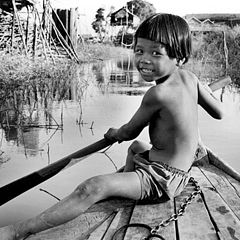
<point>170,30</point>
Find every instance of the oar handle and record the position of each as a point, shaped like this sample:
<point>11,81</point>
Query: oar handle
<point>222,82</point>
<point>25,183</point>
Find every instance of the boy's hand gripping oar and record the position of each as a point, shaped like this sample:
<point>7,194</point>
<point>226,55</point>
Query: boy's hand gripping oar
<point>25,183</point>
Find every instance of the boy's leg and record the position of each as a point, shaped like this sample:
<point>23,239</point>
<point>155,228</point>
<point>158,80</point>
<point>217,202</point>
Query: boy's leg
<point>135,147</point>
<point>92,190</point>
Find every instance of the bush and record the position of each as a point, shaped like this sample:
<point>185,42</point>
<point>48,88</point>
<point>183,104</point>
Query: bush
<point>233,43</point>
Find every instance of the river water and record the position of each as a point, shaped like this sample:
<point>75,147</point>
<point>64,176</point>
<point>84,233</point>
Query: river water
<point>104,95</point>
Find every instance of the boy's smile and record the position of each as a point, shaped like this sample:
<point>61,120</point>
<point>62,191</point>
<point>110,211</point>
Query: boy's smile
<point>152,60</point>
<point>145,71</point>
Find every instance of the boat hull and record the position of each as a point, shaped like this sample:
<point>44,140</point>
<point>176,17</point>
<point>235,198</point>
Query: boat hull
<point>213,214</point>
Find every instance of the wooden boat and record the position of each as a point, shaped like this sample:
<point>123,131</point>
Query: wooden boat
<point>212,213</point>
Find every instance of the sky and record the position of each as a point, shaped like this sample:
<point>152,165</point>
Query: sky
<point>88,8</point>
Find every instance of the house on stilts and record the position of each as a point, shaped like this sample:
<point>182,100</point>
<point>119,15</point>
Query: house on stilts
<point>125,22</point>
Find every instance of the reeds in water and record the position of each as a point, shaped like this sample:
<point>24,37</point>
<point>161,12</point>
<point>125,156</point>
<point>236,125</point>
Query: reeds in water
<point>27,86</point>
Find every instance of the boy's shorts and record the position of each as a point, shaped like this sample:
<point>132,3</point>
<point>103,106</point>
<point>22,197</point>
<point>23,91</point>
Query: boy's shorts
<point>159,181</point>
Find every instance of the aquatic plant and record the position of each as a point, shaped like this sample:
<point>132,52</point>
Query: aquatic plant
<point>234,54</point>
<point>27,86</point>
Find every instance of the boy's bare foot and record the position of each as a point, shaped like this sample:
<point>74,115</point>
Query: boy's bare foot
<point>8,233</point>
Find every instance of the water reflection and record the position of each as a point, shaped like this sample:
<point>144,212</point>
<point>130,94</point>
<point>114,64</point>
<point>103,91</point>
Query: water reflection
<point>120,77</point>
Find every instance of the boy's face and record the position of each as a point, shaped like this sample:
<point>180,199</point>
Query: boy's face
<point>152,60</point>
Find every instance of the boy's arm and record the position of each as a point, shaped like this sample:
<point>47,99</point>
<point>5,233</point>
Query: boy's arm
<point>149,105</point>
<point>212,159</point>
<point>209,102</point>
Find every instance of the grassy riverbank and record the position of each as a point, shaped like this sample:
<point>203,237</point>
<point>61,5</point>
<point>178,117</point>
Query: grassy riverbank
<point>22,68</point>
<point>98,51</point>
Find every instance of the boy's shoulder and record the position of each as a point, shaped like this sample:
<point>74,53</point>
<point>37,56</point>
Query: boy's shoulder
<point>176,79</point>
<point>163,91</point>
<point>154,95</point>
<point>157,94</point>
<point>187,75</point>
<point>186,78</point>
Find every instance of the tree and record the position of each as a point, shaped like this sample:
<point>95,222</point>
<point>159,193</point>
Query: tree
<point>99,25</point>
<point>140,8</point>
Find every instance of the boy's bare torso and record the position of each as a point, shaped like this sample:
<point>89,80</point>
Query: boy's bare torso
<point>173,130</point>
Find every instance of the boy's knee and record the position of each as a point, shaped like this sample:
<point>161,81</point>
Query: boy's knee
<point>136,147</point>
<point>92,187</point>
<point>133,148</point>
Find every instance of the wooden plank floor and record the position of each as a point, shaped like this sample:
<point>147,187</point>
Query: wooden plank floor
<point>213,215</point>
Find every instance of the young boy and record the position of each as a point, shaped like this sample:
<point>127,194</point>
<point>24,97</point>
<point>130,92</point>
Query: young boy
<point>155,171</point>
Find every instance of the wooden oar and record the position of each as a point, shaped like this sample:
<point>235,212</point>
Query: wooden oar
<point>222,82</point>
<point>23,184</point>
